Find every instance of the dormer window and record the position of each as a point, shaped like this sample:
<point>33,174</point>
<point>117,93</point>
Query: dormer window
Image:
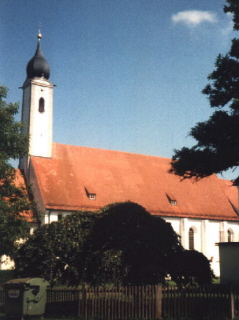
<point>91,194</point>
<point>171,198</point>
<point>173,202</point>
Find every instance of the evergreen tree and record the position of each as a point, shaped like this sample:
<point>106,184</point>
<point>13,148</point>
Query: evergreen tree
<point>13,198</point>
<point>217,147</point>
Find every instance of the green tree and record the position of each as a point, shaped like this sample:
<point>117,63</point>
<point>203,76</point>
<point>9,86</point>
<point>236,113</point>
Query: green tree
<point>13,198</point>
<point>120,244</point>
<point>217,147</point>
<point>52,251</point>
<point>190,267</point>
<point>129,246</point>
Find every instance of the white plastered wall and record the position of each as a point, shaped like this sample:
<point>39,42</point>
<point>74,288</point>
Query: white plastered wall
<point>207,233</point>
<point>36,123</point>
<point>53,215</point>
<point>41,122</point>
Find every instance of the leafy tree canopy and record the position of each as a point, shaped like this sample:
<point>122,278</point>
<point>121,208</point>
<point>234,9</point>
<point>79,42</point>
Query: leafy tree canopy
<point>121,244</point>
<point>52,250</point>
<point>217,147</point>
<point>190,267</point>
<point>128,246</point>
<point>13,199</point>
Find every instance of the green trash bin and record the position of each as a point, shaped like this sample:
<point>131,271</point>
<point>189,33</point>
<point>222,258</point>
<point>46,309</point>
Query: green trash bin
<point>25,297</point>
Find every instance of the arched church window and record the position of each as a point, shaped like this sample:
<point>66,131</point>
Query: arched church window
<point>41,105</point>
<point>191,239</point>
<point>229,235</point>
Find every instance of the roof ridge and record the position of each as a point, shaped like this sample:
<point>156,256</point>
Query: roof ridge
<point>111,150</point>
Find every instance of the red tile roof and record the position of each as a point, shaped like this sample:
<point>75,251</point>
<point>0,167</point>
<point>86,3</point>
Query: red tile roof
<point>21,183</point>
<point>115,176</point>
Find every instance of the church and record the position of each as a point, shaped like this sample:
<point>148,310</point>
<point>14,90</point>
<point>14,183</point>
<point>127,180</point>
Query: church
<point>66,178</point>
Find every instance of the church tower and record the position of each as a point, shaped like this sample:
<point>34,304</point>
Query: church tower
<point>37,107</point>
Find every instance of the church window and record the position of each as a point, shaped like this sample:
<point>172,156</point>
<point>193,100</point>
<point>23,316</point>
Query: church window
<point>229,235</point>
<point>41,105</point>
<point>191,239</point>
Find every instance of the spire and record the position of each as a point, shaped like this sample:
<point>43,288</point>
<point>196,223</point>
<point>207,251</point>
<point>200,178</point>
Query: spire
<point>38,66</point>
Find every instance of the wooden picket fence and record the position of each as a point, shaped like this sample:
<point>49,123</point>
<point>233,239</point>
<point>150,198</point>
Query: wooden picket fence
<point>205,302</point>
<point>131,302</point>
<point>143,302</point>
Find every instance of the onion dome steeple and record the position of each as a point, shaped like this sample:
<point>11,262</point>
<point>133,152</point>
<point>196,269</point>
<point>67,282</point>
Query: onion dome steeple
<point>38,66</point>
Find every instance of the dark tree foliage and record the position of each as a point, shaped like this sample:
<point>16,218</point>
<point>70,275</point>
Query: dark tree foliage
<point>233,7</point>
<point>217,147</point>
<point>120,244</point>
<point>129,246</point>
<point>52,251</point>
<point>13,199</point>
<point>190,267</point>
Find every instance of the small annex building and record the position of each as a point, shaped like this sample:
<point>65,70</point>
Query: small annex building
<point>66,178</point>
<point>229,262</point>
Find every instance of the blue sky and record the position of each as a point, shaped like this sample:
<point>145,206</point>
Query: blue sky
<point>128,73</point>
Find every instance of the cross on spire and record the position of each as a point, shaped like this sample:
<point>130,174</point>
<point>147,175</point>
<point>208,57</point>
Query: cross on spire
<point>39,31</point>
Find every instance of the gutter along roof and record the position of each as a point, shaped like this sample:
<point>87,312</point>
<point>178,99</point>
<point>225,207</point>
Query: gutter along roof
<point>81,178</point>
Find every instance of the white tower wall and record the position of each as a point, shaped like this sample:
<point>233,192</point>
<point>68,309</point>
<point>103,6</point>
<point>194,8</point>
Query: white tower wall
<point>37,117</point>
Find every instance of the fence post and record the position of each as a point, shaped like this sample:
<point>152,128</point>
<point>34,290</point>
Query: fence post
<point>232,302</point>
<point>158,298</point>
<point>82,301</point>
